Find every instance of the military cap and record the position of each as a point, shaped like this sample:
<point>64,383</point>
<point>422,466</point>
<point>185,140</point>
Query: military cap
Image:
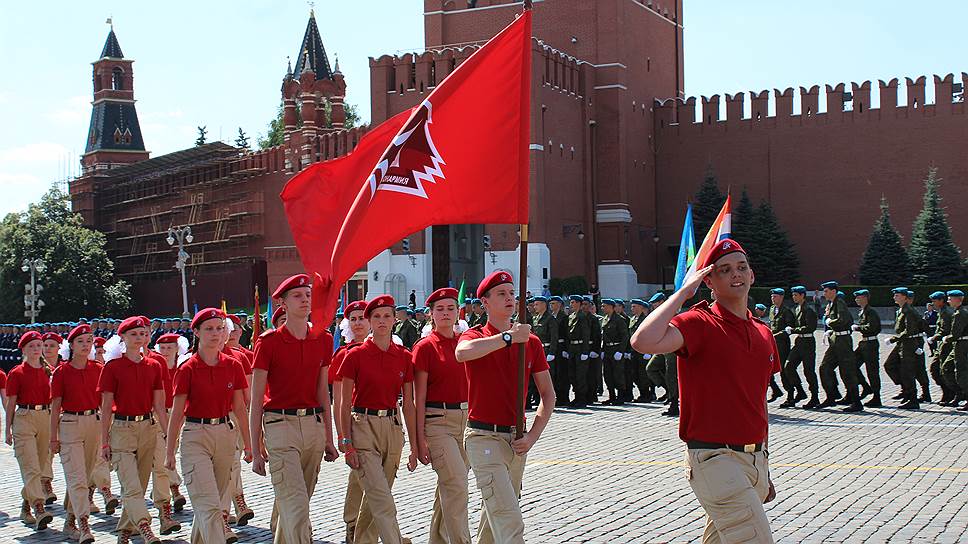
<point>721,249</point>
<point>53,336</point>
<point>829,285</point>
<point>900,291</point>
<point>401,308</point>
<point>761,307</point>
<point>99,341</point>
<point>168,338</point>
<point>382,301</point>
<point>27,338</point>
<point>862,293</point>
<point>640,302</point>
<point>411,313</point>
<point>236,320</point>
<point>468,300</point>
<point>841,294</point>
<point>778,291</point>
<point>132,323</point>
<point>587,298</point>
<point>608,301</point>
<point>476,301</point>
<point>279,312</point>
<point>498,277</point>
<point>542,298</point>
<point>555,298</point>
<point>357,305</point>
<point>910,293</point>
<point>77,331</point>
<point>799,289</point>
<point>937,295</point>
<point>658,297</point>
<point>576,298</point>
<point>441,294</point>
<point>156,320</point>
<point>204,315</point>
<point>292,282</point>
<point>956,293</point>
<point>619,302</point>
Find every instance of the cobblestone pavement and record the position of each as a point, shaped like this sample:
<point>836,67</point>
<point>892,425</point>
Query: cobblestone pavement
<point>616,475</point>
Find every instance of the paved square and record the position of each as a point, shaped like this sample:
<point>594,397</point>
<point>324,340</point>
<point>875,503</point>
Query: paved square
<point>616,475</point>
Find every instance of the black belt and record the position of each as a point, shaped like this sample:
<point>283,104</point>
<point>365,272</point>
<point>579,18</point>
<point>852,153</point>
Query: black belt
<point>34,406</point>
<point>481,426</point>
<point>296,411</point>
<point>699,445</point>
<point>81,413</point>
<point>141,417</point>
<point>613,343</point>
<point>576,341</point>
<point>447,405</point>
<point>208,420</point>
<point>380,413</point>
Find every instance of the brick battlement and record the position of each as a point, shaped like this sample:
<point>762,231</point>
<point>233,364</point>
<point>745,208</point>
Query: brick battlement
<point>328,145</point>
<point>663,8</point>
<point>841,105</point>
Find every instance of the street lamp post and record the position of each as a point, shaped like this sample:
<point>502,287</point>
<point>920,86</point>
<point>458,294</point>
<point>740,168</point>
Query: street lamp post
<point>34,266</point>
<point>655,241</point>
<point>182,235</point>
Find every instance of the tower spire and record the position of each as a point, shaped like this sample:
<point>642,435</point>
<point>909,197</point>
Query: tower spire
<point>312,52</point>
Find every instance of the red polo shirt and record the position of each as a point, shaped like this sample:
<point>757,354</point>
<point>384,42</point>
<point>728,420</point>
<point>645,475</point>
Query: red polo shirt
<point>77,388</point>
<point>167,376</point>
<point>338,359</point>
<point>724,367</point>
<point>133,384</point>
<point>3,380</point>
<point>244,357</point>
<point>30,385</point>
<point>209,389</point>
<point>378,376</point>
<point>446,378</point>
<point>492,379</point>
<point>292,366</point>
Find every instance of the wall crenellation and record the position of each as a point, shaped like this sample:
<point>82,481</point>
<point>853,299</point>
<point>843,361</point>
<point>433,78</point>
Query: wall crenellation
<point>840,103</point>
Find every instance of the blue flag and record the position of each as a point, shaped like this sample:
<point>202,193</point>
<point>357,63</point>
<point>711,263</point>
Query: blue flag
<point>687,249</point>
<point>269,314</point>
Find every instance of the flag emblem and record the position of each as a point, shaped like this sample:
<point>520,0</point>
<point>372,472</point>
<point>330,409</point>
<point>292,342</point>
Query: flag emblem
<point>411,160</point>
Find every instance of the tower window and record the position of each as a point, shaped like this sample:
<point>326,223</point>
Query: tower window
<point>117,136</point>
<point>117,79</point>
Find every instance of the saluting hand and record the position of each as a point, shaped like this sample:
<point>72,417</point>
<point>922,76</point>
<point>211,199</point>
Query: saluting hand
<point>692,283</point>
<point>520,333</point>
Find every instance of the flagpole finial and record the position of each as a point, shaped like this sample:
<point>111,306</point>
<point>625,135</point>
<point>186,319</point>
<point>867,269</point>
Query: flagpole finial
<point>110,21</point>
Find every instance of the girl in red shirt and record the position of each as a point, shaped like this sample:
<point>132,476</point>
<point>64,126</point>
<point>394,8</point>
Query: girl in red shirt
<point>165,494</point>
<point>74,429</point>
<point>208,386</point>
<point>28,398</point>
<point>52,359</point>
<point>234,494</point>
<point>440,387</point>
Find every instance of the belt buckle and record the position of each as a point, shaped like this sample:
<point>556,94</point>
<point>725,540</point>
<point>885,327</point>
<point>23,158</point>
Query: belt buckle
<point>301,411</point>
<point>382,413</point>
<point>212,421</point>
<point>749,448</point>
<point>463,406</point>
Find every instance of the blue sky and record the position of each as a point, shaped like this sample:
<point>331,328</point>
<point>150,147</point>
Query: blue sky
<point>220,63</point>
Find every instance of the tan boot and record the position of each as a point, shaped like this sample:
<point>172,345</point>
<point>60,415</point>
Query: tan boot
<point>26,515</point>
<point>144,527</point>
<point>84,529</point>
<point>70,527</point>
<point>177,499</point>
<point>168,525</point>
<point>242,510</point>
<point>48,487</point>
<point>90,499</point>
<point>124,537</point>
<point>230,537</point>
<point>43,517</point>
<point>111,502</point>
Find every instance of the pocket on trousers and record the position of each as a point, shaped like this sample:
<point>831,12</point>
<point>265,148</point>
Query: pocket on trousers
<point>188,474</point>
<point>276,473</point>
<point>485,482</point>
<point>736,526</point>
<point>719,478</point>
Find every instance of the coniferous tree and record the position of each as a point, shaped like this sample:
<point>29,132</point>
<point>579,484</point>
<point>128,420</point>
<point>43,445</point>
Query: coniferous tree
<point>934,257</point>
<point>885,261</point>
<point>202,132</point>
<point>772,255</point>
<point>743,223</point>
<point>709,200</point>
<point>242,140</point>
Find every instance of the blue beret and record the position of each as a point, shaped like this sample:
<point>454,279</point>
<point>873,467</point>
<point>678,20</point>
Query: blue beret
<point>530,300</point>
<point>542,298</point>
<point>476,301</point>
<point>900,291</point>
<point>556,298</point>
<point>910,293</point>
<point>761,307</point>
<point>937,295</point>
<point>420,309</point>
<point>608,301</point>
<point>588,298</point>
<point>840,294</point>
<point>410,312</point>
<point>468,300</point>
<point>956,293</point>
<point>619,302</point>
<point>829,285</point>
<point>640,302</point>
<point>862,293</point>
<point>799,289</point>
<point>658,297</point>
<point>777,291</point>
<point>402,308</point>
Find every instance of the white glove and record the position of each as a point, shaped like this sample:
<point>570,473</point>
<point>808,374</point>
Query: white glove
<point>593,355</point>
<point>618,356</point>
<point>565,354</point>
<point>919,351</point>
<point>646,356</point>
<point>855,327</point>
<point>628,355</point>
<point>550,358</point>
<point>584,357</point>
<point>789,330</point>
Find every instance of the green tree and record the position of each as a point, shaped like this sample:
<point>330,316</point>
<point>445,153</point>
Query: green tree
<point>742,226</point>
<point>202,133</point>
<point>242,141</point>
<point>773,256</point>
<point>276,131</point>
<point>934,257</point>
<point>709,200</point>
<point>79,278</point>
<point>885,260</point>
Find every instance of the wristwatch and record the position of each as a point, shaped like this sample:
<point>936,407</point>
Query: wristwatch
<point>345,441</point>
<point>506,337</point>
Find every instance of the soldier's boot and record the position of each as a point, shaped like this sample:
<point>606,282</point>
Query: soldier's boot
<point>124,537</point>
<point>963,408</point>
<point>875,402</point>
<point>41,516</point>
<point>899,396</point>
<point>814,401</point>
<point>776,392</point>
<point>828,402</point>
<point>90,501</point>
<point>947,395</point>
<point>165,521</point>
<point>230,537</point>
<point>790,401</point>
<point>144,529</point>
<point>854,400</point>
<point>673,410</point>
<point>910,404</point>
<point>925,396</point>
<point>26,515</point>
<point>350,530</point>
<point>177,499</point>
<point>48,487</point>
<point>84,535</point>
<point>242,510</point>
<point>70,527</point>
<point>111,502</point>
<point>84,531</point>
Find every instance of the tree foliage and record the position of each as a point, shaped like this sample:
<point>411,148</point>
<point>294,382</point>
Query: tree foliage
<point>709,200</point>
<point>885,260</point>
<point>276,131</point>
<point>773,256</point>
<point>242,140</point>
<point>932,253</point>
<point>202,136</point>
<point>79,278</point>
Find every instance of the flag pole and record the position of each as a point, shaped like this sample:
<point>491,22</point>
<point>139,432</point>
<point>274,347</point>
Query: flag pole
<point>522,318</point>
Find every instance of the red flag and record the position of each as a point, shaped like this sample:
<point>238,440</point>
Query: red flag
<point>461,157</point>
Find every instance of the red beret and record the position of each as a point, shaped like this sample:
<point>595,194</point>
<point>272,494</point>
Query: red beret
<point>354,306</point>
<point>168,338</point>
<point>28,337</point>
<point>132,323</point>
<point>442,293</point>
<point>721,249</point>
<point>235,319</point>
<point>83,328</point>
<point>493,280</point>
<point>299,280</point>
<point>280,311</point>
<point>381,301</point>
<point>206,314</point>
<point>52,336</point>
<point>99,342</point>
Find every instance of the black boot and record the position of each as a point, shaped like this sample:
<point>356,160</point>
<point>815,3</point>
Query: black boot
<point>790,402</point>
<point>911,404</point>
<point>673,410</point>
<point>875,402</point>
<point>925,396</point>
<point>814,402</point>
<point>801,395</point>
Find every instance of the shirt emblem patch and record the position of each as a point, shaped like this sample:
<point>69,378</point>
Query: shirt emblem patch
<point>230,385</point>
